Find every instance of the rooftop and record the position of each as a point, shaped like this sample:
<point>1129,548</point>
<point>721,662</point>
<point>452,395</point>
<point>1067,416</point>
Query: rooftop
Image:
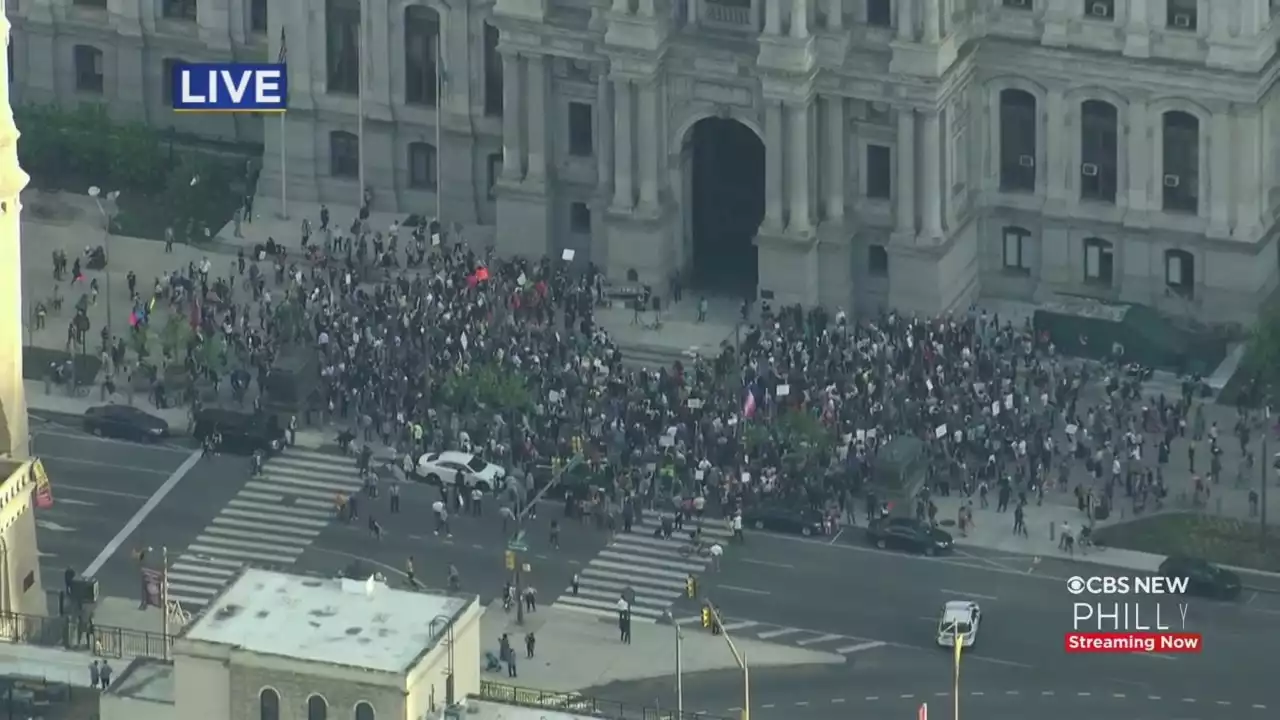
<point>353,623</point>
<point>146,679</point>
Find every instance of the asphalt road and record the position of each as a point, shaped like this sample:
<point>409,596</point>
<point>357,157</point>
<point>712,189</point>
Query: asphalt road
<point>894,599</point>
<point>477,546</point>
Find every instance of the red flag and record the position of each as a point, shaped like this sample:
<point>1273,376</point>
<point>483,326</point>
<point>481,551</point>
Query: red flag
<point>482,274</point>
<point>44,490</point>
<point>749,405</point>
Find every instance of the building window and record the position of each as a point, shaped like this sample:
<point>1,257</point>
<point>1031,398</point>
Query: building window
<point>88,62</point>
<point>1018,127</point>
<point>1099,129</point>
<point>268,705</point>
<point>1180,272</point>
<point>179,9</point>
<point>579,218</point>
<point>1099,262</point>
<point>258,16</point>
<point>317,708</point>
<point>1181,14</point>
<point>421,53</point>
<point>877,261</point>
<point>1018,4</point>
<point>1100,9</point>
<point>494,165</point>
<point>364,711</point>
<point>879,172</point>
<point>344,154</point>
<point>1181,162</point>
<point>342,46</point>
<point>168,67</point>
<point>492,73</point>
<point>90,3</point>
<point>1017,250</point>
<point>880,13</point>
<point>581,130</point>
<point>422,166</point>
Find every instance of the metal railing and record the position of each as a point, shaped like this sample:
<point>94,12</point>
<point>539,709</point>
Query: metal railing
<point>70,634</point>
<point>571,702</point>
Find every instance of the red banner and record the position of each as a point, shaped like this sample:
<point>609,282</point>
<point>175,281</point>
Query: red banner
<point>43,490</point>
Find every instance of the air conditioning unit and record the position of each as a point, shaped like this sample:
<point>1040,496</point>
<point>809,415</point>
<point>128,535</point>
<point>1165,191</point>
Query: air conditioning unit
<point>1026,161</point>
<point>1182,20</point>
<point>1100,10</point>
<point>1171,181</point>
<point>1089,170</point>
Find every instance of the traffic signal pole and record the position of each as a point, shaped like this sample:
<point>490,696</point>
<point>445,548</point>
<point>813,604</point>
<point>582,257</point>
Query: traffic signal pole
<point>738,657</point>
<point>679,672</point>
<point>517,544</point>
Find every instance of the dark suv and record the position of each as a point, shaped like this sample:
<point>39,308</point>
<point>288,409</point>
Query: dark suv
<point>241,432</point>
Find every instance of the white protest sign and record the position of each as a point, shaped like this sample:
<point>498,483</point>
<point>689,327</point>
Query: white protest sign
<point>699,474</point>
<point>553,396</point>
<point>695,403</point>
<point>861,435</point>
<point>567,255</point>
<point>666,441</point>
<point>940,431</point>
<point>1008,401</point>
<point>1044,399</point>
<point>783,390</point>
<point>522,280</point>
<point>995,408</point>
<point>435,239</point>
<point>1071,429</point>
<point>929,384</point>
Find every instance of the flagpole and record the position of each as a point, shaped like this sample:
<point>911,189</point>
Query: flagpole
<point>440,35</point>
<point>164,598</point>
<point>360,103</point>
<point>284,156</point>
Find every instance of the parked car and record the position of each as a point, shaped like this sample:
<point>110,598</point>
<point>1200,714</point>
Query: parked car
<point>125,421</point>
<point>1203,577</point>
<point>909,534</point>
<point>442,469</point>
<point>798,521</point>
<point>241,432</point>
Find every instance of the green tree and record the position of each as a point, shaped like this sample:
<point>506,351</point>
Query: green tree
<point>800,435</point>
<point>175,335</point>
<point>489,385</point>
<point>1263,365</point>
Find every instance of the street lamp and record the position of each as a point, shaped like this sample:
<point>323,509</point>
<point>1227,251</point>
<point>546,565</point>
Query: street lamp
<point>517,544</point>
<point>95,192</point>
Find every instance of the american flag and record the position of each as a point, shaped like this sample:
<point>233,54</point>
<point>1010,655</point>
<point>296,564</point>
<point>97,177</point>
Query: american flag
<point>284,49</point>
<point>749,405</point>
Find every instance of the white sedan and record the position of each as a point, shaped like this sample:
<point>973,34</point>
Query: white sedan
<point>443,468</point>
<point>959,617</point>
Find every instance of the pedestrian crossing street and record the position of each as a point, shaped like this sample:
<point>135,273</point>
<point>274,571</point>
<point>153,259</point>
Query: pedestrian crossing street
<point>783,634</point>
<point>269,523</point>
<point>649,566</point>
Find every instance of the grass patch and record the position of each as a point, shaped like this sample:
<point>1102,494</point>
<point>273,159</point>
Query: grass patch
<point>36,362</point>
<point>143,217</point>
<point>1225,541</point>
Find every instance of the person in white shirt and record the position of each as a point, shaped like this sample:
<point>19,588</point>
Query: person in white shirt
<point>716,552</point>
<point>737,527</point>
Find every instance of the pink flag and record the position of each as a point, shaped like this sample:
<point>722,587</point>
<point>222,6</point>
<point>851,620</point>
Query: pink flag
<point>749,405</point>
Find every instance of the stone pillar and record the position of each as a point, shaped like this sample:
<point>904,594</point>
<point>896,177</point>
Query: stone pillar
<point>1249,173</point>
<point>906,215</point>
<point>930,21</point>
<point>835,14</point>
<point>536,107</point>
<point>834,150</point>
<point>691,12</point>
<point>1220,22</point>
<point>931,178</point>
<point>621,7</point>
<point>623,186</point>
<point>212,20</point>
<point>604,125</point>
<point>378,90</point>
<point>800,220</point>
<point>645,8</point>
<point>773,157</point>
<point>512,150</point>
<point>1139,161</point>
<point>906,22</point>
<point>800,19</point>
<point>1057,154</point>
<point>13,399</point>
<point>648,127</point>
<point>1221,151</point>
<point>1137,36</point>
<point>772,16</point>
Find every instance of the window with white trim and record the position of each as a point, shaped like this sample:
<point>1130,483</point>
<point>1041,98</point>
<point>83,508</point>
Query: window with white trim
<point>1017,250</point>
<point>1099,262</point>
<point>1180,272</point>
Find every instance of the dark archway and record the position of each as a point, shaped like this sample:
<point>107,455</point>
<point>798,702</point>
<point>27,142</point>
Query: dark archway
<point>728,205</point>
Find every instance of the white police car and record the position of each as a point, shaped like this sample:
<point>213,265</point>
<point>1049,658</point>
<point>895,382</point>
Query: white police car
<point>959,617</point>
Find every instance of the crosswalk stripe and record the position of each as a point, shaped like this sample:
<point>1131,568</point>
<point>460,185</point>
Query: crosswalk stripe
<point>672,561</point>
<point>740,625</point>
<point>189,565</point>
<point>574,603</point>
<point>819,639</point>
<point>295,452</point>
<point>257,513</point>
<point>768,634</point>
<point>269,558</point>
<point>265,487</point>
<point>301,536</point>
<point>710,529</point>
<point>281,480</point>
<point>627,567</point>
<point>596,576</point>
<point>271,528</point>
<point>292,513</point>
<point>189,602</point>
<point>207,538</point>
<point>612,595</point>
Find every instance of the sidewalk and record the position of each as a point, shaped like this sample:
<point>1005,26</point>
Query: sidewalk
<point>576,651</point>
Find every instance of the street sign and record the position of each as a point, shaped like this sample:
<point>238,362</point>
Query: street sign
<point>517,543</point>
<point>510,558</point>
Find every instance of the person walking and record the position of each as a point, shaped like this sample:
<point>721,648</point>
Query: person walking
<point>95,674</point>
<point>104,673</point>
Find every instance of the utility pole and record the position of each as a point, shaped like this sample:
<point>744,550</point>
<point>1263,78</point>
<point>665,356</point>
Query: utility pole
<point>164,598</point>
<point>679,672</point>
<point>738,657</point>
<point>1265,475</point>
<point>517,543</point>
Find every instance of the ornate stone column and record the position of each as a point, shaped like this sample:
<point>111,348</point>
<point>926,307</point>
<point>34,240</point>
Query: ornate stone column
<point>512,149</point>
<point>906,22</point>
<point>1221,168</point>
<point>1057,154</point>
<point>772,16</point>
<point>13,399</point>
<point>536,107</point>
<point>799,19</point>
<point>648,127</point>
<point>835,14</point>
<point>1139,144</point>
<point>835,156</point>
<point>604,123</point>
<point>930,21</point>
<point>623,186</point>
<point>773,156</point>
<point>800,220</point>
<point>931,178</point>
<point>906,166</point>
<point>1249,173</point>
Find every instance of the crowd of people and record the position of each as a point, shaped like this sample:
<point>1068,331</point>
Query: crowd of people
<point>417,340</point>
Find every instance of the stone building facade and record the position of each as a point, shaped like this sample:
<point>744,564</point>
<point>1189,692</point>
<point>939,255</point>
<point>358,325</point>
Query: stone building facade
<point>916,153</point>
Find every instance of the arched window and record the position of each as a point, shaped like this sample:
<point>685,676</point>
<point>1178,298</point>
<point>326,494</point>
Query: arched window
<point>1181,162</point>
<point>364,711</point>
<point>88,64</point>
<point>422,166</point>
<point>1099,128</point>
<point>1099,262</point>
<point>317,708</point>
<point>421,55</point>
<point>342,46</point>
<point>877,261</point>
<point>344,154</point>
<point>492,72</point>
<point>1017,250</point>
<point>268,704</point>
<point>1180,272</point>
<point>1018,128</point>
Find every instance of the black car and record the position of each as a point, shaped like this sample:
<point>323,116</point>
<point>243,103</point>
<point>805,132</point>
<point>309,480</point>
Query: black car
<point>802,521</point>
<point>125,421</point>
<point>909,534</point>
<point>241,432</point>
<point>1203,577</point>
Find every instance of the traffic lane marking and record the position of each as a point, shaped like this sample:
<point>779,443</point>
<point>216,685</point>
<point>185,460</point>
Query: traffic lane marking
<point>79,436</point>
<point>64,487</point>
<point>100,464</point>
<point>958,594</point>
<point>747,590</point>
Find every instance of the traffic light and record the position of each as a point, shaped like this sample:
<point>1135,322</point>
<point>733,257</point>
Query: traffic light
<point>691,586</point>
<point>706,617</point>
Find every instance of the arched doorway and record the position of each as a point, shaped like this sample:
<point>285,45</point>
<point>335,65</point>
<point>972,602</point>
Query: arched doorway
<point>727,201</point>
